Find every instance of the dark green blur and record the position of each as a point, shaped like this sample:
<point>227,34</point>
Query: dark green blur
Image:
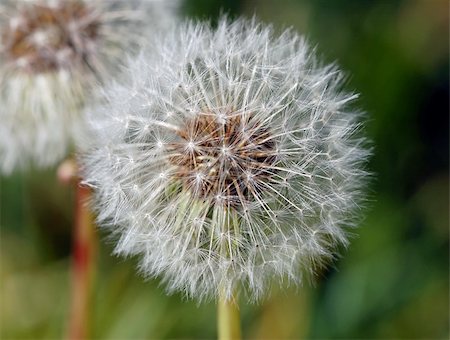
<point>392,282</point>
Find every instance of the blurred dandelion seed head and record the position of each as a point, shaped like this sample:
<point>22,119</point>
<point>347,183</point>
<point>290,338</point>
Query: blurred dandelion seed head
<point>53,53</point>
<point>227,157</point>
<point>42,37</point>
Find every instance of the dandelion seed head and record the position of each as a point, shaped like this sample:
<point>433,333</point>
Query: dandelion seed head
<point>256,174</point>
<point>42,36</point>
<point>52,54</point>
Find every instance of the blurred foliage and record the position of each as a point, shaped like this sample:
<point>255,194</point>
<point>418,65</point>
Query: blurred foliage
<point>392,282</point>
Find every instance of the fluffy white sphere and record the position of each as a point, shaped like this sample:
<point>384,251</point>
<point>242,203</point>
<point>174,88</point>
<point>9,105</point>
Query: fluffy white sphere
<point>52,53</point>
<point>227,157</point>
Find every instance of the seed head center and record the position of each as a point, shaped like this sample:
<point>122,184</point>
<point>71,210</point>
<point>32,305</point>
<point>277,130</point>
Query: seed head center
<point>230,155</point>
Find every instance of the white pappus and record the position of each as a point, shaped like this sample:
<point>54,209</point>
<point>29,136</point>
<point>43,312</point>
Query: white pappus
<point>227,158</point>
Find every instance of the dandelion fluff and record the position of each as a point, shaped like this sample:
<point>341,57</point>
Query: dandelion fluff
<point>52,53</point>
<point>227,158</point>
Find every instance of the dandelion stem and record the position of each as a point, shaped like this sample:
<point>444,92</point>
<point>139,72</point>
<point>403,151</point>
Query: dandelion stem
<point>228,322</point>
<point>83,262</point>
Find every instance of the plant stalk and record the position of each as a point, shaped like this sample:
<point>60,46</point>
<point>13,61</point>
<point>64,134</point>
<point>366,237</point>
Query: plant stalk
<point>83,262</point>
<point>228,320</point>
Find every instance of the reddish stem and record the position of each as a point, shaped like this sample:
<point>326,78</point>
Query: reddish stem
<point>83,262</point>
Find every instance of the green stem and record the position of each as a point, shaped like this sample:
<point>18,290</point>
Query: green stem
<point>228,322</point>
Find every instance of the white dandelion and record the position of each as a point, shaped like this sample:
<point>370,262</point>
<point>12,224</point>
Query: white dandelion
<point>227,158</point>
<point>52,52</point>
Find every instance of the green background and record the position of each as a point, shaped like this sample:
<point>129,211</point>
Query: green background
<point>392,282</point>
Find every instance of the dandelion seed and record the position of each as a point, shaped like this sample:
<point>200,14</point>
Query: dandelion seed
<point>256,173</point>
<point>52,53</point>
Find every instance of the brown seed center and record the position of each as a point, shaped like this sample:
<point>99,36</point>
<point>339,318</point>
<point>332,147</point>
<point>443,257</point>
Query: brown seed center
<point>224,158</point>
